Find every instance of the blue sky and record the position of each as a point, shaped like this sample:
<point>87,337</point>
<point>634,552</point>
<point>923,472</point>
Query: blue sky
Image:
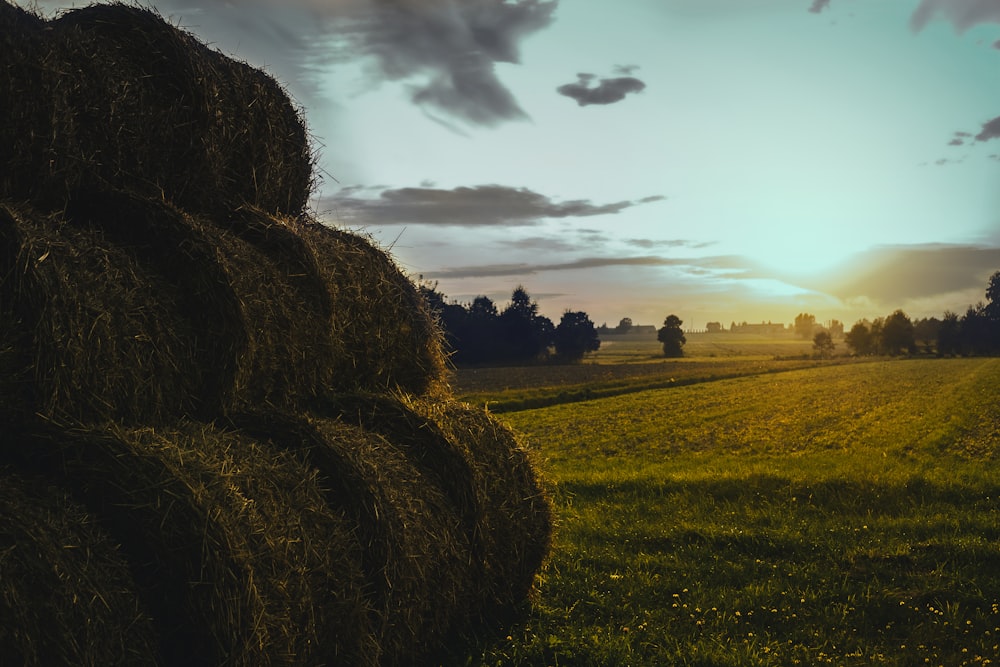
<point>718,159</point>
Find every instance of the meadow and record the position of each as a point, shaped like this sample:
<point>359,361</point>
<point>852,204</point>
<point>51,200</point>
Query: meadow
<point>843,514</point>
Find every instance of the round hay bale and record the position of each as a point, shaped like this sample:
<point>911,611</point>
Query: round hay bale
<point>516,518</point>
<point>124,308</point>
<point>390,336</point>
<point>416,554</point>
<point>66,594</point>
<point>128,101</point>
<point>21,52</point>
<point>94,330</point>
<point>234,550</point>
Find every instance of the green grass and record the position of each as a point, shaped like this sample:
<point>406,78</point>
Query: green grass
<point>845,515</point>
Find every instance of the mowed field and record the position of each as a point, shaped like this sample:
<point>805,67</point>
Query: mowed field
<point>843,514</point>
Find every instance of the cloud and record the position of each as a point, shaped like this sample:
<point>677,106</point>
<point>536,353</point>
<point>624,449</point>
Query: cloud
<point>991,130</point>
<point>453,45</point>
<point>892,275</point>
<point>819,5</point>
<point>445,50</point>
<point>523,269</point>
<point>478,206</point>
<point>608,91</point>
<point>668,243</point>
<point>962,13</point>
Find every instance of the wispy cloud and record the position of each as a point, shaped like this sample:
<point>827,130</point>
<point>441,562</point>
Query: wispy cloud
<point>962,13</point>
<point>607,91</point>
<point>892,275</point>
<point>478,206</point>
<point>819,5</point>
<point>991,130</point>
<point>445,50</point>
<point>525,269</point>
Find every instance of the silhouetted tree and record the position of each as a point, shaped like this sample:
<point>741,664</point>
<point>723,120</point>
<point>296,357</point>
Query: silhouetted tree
<point>575,336</point>
<point>949,338</point>
<point>925,332</point>
<point>859,339</point>
<point>526,335</point>
<point>672,337</point>
<point>897,334</point>
<point>804,324</point>
<point>624,326</point>
<point>993,298</point>
<point>976,331</point>
<point>823,344</point>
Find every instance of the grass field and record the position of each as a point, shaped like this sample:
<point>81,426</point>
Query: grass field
<point>845,515</point>
<point>626,364</point>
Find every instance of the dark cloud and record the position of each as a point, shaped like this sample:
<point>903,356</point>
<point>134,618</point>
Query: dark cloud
<point>524,269</point>
<point>608,91</point>
<point>991,130</point>
<point>962,13</point>
<point>453,45</point>
<point>891,275</point>
<point>996,44</point>
<point>445,50</point>
<point>668,243</point>
<point>819,5</point>
<point>479,206</point>
<point>956,142</point>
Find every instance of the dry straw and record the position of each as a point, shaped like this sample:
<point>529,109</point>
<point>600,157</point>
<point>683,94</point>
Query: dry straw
<point>390,337</point>
<point>128,309</point>
<point>67,596</point>
<point>516,511</point>
<point>416,554</point>
<point>112,95</point>
<point>236,554</point>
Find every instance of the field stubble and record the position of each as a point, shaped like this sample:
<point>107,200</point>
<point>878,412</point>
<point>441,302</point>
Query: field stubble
<point>843,515</point>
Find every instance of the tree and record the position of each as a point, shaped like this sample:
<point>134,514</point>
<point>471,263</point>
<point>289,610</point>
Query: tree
<point>624,326</point>
<point>575,336</point>
<point>897,334</point>
<point>525,335</point>
<point>672,337</point>
<point>804,324</point>
<point>823,344</point>
<point>859,339</point>
<point>949,338</point>
<point>993,297</point>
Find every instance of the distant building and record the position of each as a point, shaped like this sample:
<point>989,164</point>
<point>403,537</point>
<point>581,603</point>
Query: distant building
<point>762,329</point>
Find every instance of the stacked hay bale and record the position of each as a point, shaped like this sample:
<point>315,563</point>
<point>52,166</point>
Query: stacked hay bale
<point>235,416</point>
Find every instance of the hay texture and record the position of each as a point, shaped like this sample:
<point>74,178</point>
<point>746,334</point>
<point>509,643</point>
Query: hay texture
<point>236,555</point>
<point>112,96</point>
<point>416,555</point>
<point>128,309</point>
<point>390,336</point>
<point>67,596</point>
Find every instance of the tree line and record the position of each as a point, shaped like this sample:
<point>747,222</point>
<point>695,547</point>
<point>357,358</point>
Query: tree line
<point>481,333</point>
<point>977,332</point>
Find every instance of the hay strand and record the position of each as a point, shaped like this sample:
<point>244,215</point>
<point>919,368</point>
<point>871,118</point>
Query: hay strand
<point>67,596</point>
<point>235,553</point>
<point>125,100</point>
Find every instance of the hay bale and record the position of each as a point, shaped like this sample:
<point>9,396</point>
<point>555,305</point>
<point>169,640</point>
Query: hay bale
<point>128,309</point>
<point>66,594</point>
<point>387,330</point>
<point>92,331</point>
<point>126,100</point>
<point>234,550</point>
<point>516,516</point>
<point>416,553</point>
<point>21,51</point>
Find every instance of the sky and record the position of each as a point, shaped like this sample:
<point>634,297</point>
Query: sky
<point>721,160</point>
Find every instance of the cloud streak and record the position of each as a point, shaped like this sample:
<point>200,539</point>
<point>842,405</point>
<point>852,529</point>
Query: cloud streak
<point>478,206</point>
<point>962,13</point>
<point>607,91</point>
<point>445,51</point>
